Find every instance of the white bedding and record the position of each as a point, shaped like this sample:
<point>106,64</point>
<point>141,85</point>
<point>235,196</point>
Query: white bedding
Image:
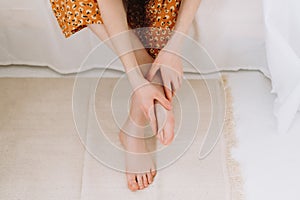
<point>30,35</point>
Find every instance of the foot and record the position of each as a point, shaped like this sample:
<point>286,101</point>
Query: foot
<point>166,124</point>
<point>139,164</point>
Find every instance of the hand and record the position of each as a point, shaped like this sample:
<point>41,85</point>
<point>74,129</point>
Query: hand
<point>144,97</point>
<point>170,66</point>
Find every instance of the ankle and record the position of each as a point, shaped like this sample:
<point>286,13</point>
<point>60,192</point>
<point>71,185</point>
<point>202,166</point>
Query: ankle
<point>132,129</point>
<point>137,118</point>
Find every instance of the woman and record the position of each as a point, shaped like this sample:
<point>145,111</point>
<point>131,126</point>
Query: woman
<point>150,101</point>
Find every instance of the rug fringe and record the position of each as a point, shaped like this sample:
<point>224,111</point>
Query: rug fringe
<point>233,167</point>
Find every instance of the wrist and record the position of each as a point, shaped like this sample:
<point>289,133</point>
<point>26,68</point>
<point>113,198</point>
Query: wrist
<point>136,78</point>
<point>176,42</point>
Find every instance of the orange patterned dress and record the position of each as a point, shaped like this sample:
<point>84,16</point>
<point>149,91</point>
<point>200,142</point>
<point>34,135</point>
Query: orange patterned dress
<point>158,15</point>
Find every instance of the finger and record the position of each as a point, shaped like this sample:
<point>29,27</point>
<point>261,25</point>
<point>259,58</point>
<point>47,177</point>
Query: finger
<point>152,71</point>
<point>153,121</point>
<point>167,86</point>
<point>177,84</point>
<point>162,138</point>
<point>173,89</point>
<point>168,91</point>
<point>161,115</point>
<point>169,131</point>
<point>163,101</point>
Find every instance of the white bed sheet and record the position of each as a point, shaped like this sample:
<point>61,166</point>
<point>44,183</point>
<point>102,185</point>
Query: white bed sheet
<point>29,34</point>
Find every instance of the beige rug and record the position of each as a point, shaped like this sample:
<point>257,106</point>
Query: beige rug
<point>43,157</point>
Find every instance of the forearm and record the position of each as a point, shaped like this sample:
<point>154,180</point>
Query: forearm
<point>186,15</point>
<point>114,17</point>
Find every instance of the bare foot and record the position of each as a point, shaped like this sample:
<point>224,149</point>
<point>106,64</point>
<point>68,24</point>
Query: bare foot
<point>166,124</point>
<point>139,164</point>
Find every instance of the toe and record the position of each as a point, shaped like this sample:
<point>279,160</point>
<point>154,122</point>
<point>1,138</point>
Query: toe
<point>153,172</point>
<point>149,177</point>
<point>140,182</point>
<point>145,180</point>
<point>131,181</point>
<point>133,186</point>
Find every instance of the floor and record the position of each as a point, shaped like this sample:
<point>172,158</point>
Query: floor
<point>270,162</point>
<point>42,156</point>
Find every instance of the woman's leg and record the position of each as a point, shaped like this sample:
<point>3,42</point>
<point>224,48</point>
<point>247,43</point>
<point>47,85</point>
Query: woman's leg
<point>130,141</point>
<point>131,133</point>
